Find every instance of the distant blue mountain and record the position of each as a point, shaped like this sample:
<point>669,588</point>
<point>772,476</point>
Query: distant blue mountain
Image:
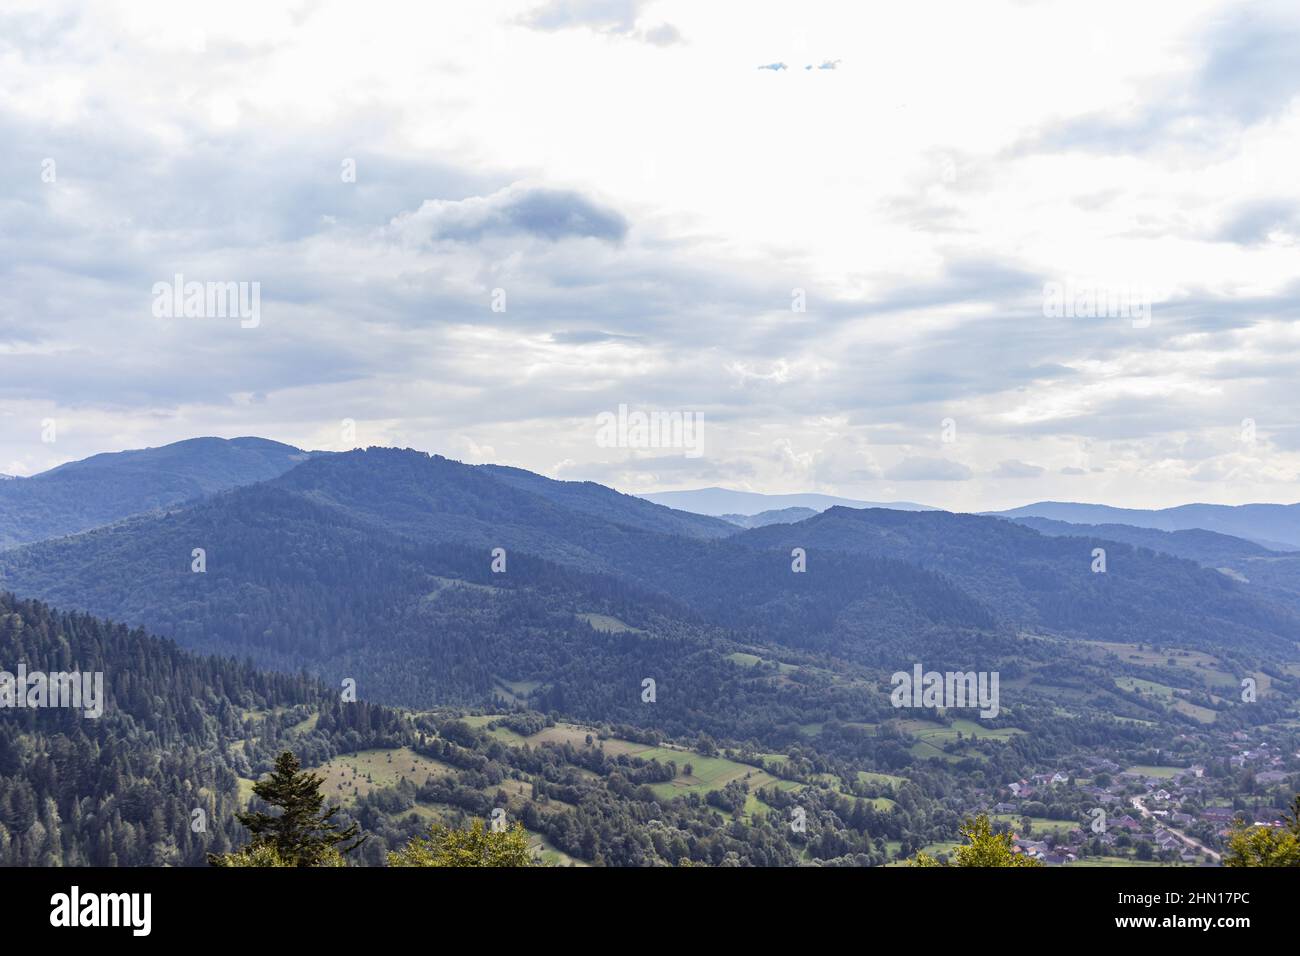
<point>723,501</point>
<point>1274,526</point>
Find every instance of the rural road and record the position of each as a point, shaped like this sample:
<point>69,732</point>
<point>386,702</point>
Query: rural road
<point>1197,844</point>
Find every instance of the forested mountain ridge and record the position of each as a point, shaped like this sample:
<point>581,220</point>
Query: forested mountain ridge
<point>291,581</point>
<point>1210,549</point>
<point>1266,573</point>
<point>105,488</point>
<point>377,565</point>
<point>1034,580</point>
<point>1031,579</point>
<point>174,738</point>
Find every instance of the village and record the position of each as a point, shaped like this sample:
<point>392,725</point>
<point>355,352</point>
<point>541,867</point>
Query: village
<point>1096,808</point>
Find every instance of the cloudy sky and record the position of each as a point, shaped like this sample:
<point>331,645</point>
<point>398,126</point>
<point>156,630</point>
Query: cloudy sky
<point>476,227</point>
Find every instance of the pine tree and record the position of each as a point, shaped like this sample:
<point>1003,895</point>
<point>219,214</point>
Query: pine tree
<point>301,834</point>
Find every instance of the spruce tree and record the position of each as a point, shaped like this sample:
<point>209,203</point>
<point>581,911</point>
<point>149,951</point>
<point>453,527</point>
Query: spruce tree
<point>301,834</point>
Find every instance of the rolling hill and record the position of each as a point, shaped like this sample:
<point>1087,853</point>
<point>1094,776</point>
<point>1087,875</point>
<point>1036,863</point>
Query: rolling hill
<point>105,488</point>
<point>1037,581</point>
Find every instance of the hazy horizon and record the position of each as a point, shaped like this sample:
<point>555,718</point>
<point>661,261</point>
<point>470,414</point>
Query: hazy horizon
<point>777,493</point>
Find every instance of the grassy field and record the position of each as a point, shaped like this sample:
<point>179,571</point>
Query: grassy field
<point>940,734</point>
<point>1207,668</point>
<point>707,773</point>
<point>753,660</point>
<point>609,625</point>
<point>1168,696</point>
<point>924,750</point>
<point>1038,826</point>
<point>932,737</point>
<point>1165,773</point>
<point>1147,688</point>
<point>348,776</point>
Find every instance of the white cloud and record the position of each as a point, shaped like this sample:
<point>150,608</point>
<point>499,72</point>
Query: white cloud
<point>648,209</point>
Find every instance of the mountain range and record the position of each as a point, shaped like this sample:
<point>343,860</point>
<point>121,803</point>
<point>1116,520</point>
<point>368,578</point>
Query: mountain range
<point>363,544</point>
<point>1274,526</point>
<point>723,501</point>
<point>501,628</point>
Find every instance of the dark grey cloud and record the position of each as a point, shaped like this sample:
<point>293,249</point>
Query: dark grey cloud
<point>550,214</point>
